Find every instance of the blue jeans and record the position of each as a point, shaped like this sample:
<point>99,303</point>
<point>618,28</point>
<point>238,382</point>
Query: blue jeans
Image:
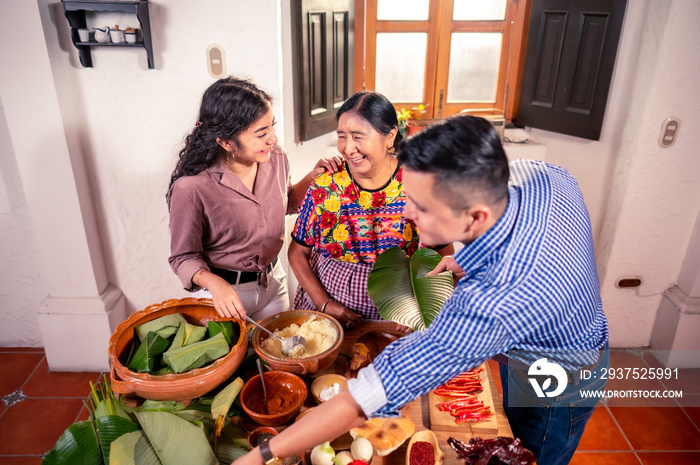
<point>552,428</point>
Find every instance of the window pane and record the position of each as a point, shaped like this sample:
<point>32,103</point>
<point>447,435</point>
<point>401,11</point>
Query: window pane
<point>475,10</point>
<point>402,10</point>
<point>400,71</point>
<point>474,59</point>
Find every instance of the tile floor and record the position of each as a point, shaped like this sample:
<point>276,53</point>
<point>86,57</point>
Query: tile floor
<point>38,405</point>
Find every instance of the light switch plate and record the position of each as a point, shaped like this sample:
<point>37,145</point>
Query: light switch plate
<point>669,131</point>
<point>216,60</point>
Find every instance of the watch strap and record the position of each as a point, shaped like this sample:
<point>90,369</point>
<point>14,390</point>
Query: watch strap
<point>265,451</point>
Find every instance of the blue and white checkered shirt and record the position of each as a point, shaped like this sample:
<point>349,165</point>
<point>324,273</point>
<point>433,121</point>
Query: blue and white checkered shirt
<point>531,284</point>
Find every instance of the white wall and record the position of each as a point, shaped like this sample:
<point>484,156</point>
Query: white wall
<point>22,287</point>
<point>125,124</point>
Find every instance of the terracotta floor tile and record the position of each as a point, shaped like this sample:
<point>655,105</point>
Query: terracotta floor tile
<point>652,361</point>
<point>45,383</point>
<point>666,458</point>
<point>16,369</point>
<point>625,359</point>
<point>33,426</point>
<point>623,380</point>
<point>604,458</point>
<point>657,428</point>
<point>602,433</point>
<point>83,415</point>
<point>687,380</point>
<point>21,349</point>
<point>20,460</point>
<point>693,412</point>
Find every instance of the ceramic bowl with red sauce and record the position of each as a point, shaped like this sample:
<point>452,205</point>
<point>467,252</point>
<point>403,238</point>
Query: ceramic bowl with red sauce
<point>286,393</point>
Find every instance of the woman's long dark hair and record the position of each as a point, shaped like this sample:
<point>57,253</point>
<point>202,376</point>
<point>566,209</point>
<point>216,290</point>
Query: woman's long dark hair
<point>376,109</point>
<point>229,107</point>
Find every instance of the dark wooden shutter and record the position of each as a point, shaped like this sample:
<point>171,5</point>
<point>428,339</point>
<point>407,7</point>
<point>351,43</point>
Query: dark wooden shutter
<point>571,48</point>
<point>323,62</point>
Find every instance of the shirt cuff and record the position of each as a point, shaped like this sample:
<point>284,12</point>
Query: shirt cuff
<point>367,390</point>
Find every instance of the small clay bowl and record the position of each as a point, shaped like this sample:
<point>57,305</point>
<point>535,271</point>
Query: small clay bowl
<point>303,412</point>
<point>324,381</point>
<point>255,434</point>
<point>286,393</point>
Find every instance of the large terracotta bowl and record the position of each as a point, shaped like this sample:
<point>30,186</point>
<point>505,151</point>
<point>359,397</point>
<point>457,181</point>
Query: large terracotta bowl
<point>176,386</point>
<point>300,366</point>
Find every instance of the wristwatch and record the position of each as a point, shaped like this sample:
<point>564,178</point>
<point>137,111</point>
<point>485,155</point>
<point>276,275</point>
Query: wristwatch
<point>267,455</point>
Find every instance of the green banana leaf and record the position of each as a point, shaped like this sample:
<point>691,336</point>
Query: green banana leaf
<point>161,405</point>
<point>166,370</point>
<point>77,446</point>
<point>188,334</point>
<point>148,354</point>
<point>402,291</point>
<point>165,326</point>
<point>231,332</point>
<point>198,354</point>
<point>127,448</point>
<point>222,403</point>
<point>110,428</point>
<point>103,402</point>
<point>227,452</point>
<point>224,399</point>
<point>176,441</point>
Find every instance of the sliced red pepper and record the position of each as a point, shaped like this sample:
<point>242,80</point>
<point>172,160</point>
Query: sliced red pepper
<point>443,406</point>
<point>468,411</point>
<point>471,419</point>
<point>452,392</point>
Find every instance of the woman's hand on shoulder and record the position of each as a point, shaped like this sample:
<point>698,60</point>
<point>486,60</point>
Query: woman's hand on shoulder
<point>330,164</point>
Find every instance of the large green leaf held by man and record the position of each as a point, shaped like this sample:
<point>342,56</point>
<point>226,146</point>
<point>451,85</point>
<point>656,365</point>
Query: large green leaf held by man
<point>402,291</point>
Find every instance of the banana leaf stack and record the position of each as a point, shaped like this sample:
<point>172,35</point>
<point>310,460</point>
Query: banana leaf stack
<point>170,344</point>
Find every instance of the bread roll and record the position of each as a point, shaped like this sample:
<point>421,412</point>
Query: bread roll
<point>385,434</point>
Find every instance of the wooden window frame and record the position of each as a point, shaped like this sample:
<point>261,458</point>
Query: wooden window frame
<point>438,53</point>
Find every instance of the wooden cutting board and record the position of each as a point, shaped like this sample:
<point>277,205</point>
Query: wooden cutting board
<point>443,421</point>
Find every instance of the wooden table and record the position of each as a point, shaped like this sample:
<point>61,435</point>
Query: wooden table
<point>418,409</point>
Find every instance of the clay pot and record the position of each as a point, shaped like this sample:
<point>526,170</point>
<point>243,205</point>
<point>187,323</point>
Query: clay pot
<point>177,386</point>
<point>279,385</point>
<point>416,125</point>
<point>300,366</point>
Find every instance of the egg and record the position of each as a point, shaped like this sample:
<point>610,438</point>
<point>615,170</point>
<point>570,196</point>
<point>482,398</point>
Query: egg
<point>361,449</point>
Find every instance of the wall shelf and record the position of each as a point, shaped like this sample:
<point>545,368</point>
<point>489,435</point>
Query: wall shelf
<point>75,11</point>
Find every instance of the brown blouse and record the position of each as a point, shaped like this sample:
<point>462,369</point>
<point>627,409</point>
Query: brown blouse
<point>216,221</point>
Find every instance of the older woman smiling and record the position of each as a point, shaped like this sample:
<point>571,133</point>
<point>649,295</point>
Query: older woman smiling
<point>350,217</point>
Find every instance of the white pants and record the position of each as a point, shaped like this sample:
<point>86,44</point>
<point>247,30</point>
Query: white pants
<point>258,302</point>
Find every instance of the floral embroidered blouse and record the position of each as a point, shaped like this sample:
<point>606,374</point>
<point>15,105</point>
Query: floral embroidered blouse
<point>341,220</point>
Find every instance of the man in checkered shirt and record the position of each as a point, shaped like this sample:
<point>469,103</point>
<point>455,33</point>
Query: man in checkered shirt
<point>527,283</point>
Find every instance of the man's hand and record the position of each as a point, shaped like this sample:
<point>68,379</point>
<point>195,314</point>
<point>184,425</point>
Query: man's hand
<point>448,263</point>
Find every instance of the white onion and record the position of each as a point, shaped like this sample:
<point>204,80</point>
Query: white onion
<point>361,449</point>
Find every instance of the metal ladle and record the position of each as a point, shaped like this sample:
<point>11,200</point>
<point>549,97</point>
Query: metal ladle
<point>262,381</point>
<point>289,345</point>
